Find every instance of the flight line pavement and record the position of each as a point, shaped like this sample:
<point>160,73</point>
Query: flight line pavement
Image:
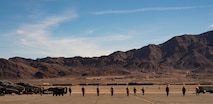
<point>106,98</point>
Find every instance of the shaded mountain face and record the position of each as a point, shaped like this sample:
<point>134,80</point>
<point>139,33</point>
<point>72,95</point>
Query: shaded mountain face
<point>186,52</point>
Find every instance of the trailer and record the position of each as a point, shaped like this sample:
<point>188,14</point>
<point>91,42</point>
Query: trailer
<point>206,88</point>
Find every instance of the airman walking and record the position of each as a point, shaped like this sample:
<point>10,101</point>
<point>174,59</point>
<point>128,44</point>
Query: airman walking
<point>70,91</point>
<point>134,90</point>
<point>167,90</point>
<point>112,91</point>
<point>98,91</point>
<point>83,90</point>
<point>127,91</point>
<point>183,90</point>
<point>143,91</point>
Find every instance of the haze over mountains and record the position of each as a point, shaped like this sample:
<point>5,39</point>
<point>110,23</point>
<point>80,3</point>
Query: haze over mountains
<point>192,53</point>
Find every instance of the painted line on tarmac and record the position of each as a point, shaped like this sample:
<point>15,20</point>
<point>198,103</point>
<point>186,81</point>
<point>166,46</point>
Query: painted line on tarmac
<point>100,96</point>
<point>146,100</point>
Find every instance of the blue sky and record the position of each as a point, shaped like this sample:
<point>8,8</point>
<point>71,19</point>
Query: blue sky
<point>88,28</point>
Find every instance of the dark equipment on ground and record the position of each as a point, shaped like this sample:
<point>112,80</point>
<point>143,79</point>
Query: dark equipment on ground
<point>58,91</point>
<point>29,88</point>
<point>9,88</point>
<point>2,90</point>
<point>204,89</point>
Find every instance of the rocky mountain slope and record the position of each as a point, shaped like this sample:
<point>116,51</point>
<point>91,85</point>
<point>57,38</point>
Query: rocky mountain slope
<point>186,52</point>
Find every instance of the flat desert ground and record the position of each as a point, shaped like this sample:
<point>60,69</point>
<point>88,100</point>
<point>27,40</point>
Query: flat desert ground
<point>153,95</point>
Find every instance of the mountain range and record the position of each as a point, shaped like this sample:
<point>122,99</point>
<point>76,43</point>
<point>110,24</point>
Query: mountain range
<point>187,52</point>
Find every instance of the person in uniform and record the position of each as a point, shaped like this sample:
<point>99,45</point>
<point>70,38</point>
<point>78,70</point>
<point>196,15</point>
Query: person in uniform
<point>98,91</point>
<point>127,91</point>
<point>41,90</point>
<point>83,90</point>
<point>167,90</point>
<point>197,91</point>
<point>112,91</point>
<point>183,90</point>
<point>134,90</point>
<point>70,91</point>
<point>143,90</point>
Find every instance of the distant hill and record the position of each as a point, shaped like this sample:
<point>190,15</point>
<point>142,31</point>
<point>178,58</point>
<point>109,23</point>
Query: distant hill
<point>186,52</point>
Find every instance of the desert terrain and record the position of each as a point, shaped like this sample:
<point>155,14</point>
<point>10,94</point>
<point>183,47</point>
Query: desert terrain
<point>185,60</point>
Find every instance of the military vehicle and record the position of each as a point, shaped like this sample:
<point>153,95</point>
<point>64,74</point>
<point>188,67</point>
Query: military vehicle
<point>57,91</point>
<point>206,88</point>
<point>8,87</point>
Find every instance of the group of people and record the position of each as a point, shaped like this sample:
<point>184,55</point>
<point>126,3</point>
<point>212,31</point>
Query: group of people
<point>134,90</point>
<point>127,91</point>
<point>83,91</point>
<point>183,91</point>
<point>111,90</point>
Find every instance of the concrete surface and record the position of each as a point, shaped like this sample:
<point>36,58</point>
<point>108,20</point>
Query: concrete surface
<point>105,98</point>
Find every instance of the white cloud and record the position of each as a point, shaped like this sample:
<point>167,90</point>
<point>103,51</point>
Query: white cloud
<point>211,26</point>
<point>36,40</point>
<point>65,47</point>
<point>42,28</point>
<point>146,9</point>
<point>20,32</point>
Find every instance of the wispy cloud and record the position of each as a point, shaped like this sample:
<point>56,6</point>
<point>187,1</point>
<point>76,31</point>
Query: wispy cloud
<point>37,39</point>
<point>146,9</point>
<point>65,47</point>
<point>210,26</point>
<point>41,28</point>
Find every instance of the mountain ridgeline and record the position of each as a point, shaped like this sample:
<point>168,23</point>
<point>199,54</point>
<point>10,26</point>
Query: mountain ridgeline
<point>186,52</point>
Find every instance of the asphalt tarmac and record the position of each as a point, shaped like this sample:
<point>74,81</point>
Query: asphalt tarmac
<point>106,98</point>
